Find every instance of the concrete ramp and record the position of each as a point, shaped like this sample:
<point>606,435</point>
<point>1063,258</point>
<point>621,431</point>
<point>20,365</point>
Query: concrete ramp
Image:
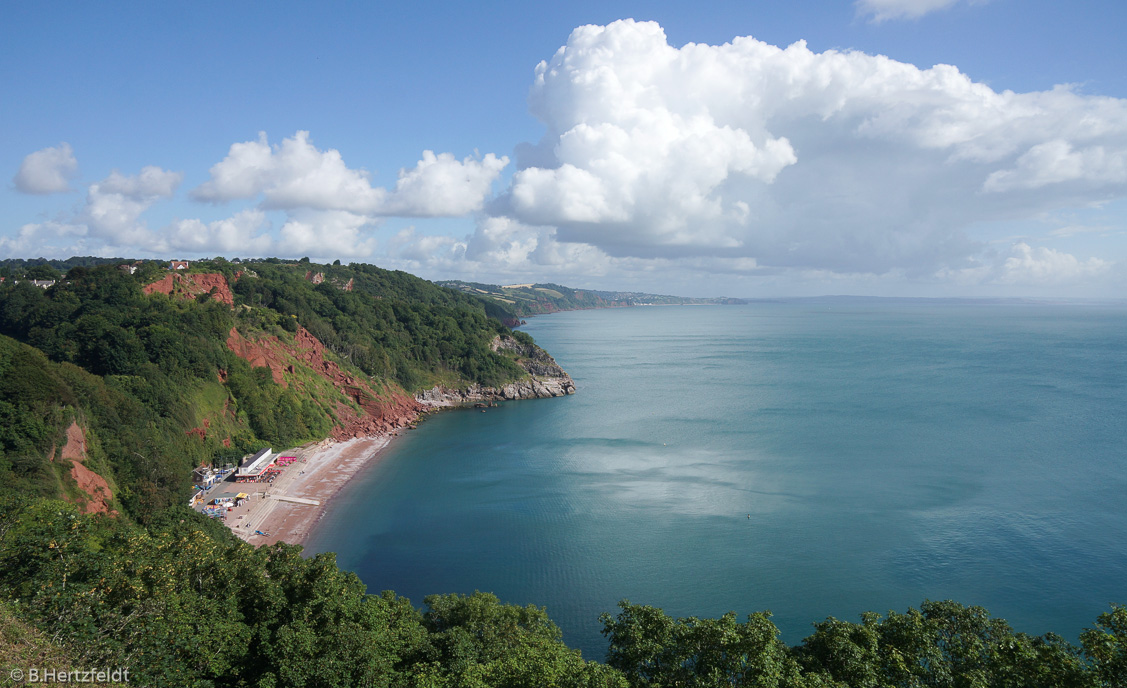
<point>297,500</point>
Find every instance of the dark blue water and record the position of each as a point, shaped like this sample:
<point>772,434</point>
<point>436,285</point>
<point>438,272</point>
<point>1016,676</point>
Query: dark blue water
<point>886,453</point>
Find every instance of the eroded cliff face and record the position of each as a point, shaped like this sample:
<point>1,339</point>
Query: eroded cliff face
<point>383,413</point>
<point>97,490</point>
<point>191,285</point>
<point>545,379</point>
<point>379,413</point>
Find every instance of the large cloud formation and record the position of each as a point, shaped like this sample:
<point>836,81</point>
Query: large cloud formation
<point>837,161</point>
<point>660,164</point>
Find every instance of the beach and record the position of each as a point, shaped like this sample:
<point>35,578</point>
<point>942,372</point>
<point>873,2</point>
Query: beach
<point>288,509</point>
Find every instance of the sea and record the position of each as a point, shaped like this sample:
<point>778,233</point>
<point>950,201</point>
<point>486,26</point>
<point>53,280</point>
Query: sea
<point>813,458</point>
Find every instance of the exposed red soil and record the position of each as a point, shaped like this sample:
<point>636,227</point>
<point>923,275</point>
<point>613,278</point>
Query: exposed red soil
<point>200,432</point>
<point>377,415</point>
<point>264,354</point>
<point>192,285</point>
<point>95,486</point>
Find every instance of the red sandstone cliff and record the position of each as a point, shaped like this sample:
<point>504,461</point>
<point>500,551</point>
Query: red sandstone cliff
<point>378,414</point>
<point>192,285</point>
<point>95,486</point>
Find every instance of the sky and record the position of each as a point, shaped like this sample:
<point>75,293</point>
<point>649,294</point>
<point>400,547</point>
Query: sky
<point>947,148</point>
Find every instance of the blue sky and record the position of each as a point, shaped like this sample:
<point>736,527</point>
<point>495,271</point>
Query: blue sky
<point>687,151</point>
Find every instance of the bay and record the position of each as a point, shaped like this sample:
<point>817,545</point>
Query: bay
<point>813,458</point>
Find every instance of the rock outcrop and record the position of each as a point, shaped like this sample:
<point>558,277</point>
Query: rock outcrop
<point>545,379</point>
<point>267,353</point>
<point>384,413</point>
<point>380,416</point>
<point>192,285</point>
<point>97,490</point>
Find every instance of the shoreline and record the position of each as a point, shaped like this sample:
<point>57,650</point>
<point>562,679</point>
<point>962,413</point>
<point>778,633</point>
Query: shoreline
<point>322,470</point>
<point>289,509</point>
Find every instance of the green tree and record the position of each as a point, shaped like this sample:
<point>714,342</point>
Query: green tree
<point>1106,647</point>
<point>652,649</point>
<point>476,641</point>
<point>42,272</point>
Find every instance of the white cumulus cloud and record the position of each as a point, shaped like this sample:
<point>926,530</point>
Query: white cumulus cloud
<point>784,158</point>
<point>1045,266</point>
<point>1057,162</point>
<point>297,175</point>
<point>442,185</point>
<point>115,204</point>
<point>294,174</point>
<point>48,239</point>
<point>327,235</point>
<point>47,171</point>
<point>242,234</point>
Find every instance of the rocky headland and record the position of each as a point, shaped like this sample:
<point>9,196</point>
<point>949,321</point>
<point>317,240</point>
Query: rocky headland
<point>545,379</point>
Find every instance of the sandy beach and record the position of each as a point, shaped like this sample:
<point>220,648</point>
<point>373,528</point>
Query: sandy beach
<point>321,470</point>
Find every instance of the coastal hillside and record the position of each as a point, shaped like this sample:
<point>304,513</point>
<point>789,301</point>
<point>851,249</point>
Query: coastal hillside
<point>537,299</point>
<point>116,380</point>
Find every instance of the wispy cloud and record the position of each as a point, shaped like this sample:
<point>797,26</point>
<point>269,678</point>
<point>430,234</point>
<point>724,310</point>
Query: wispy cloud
<point>883,10</point>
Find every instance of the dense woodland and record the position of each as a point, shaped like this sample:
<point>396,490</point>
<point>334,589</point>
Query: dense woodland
<point>182,602</point>
<point>138,372</point>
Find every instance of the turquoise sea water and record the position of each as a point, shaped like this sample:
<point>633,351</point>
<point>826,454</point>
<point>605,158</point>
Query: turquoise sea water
<point>812,458</point>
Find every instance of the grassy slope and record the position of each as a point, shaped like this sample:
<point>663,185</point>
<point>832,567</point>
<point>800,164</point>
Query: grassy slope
<point>22,646</point>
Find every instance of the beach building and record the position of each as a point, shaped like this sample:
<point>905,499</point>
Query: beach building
<point>177,265</point>
<point>255,467</point>
<point>204,476</point>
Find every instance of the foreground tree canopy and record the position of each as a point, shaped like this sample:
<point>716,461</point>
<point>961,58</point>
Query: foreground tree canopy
<point>181,602</point>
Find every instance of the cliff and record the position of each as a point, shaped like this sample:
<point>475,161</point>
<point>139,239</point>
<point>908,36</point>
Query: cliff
<point>545,378</point>
<point>373,413</point>
<point>191,285</point>
<point>94,490</point>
